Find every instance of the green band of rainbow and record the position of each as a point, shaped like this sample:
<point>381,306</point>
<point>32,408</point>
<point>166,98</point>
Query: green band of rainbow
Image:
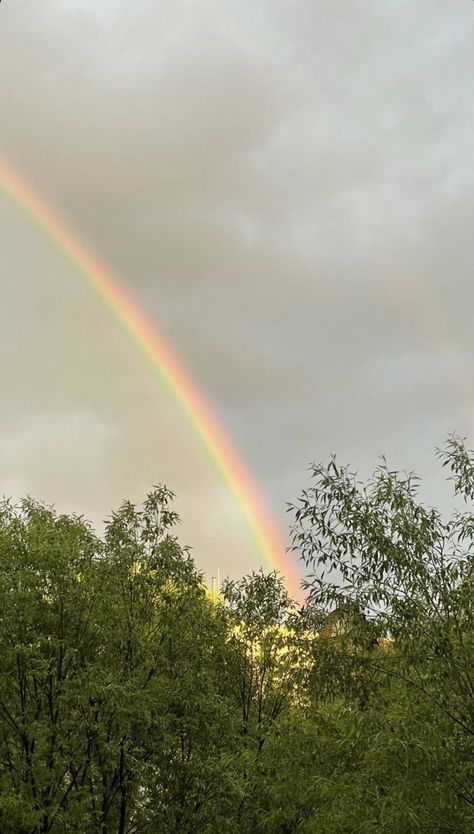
<point>160,358</point>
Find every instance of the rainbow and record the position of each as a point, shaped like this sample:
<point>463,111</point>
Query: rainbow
<point>164,364</point>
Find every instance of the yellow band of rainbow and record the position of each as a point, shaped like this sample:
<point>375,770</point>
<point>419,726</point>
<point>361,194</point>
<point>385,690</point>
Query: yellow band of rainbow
<point>161,359</point>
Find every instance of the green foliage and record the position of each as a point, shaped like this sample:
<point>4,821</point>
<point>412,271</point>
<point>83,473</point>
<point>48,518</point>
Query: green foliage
<point>268,663</point>
<point>132,702</point>
<point>396,581</point>
<point>110,710</point>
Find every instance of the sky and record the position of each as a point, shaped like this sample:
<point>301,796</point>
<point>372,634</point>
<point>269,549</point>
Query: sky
<point>286,190</point>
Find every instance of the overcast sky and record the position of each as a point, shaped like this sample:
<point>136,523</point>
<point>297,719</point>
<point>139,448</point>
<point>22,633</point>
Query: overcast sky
<point>286,188</point>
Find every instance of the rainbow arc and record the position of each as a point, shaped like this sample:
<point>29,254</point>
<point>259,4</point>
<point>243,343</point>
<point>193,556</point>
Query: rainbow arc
<point>163,362</point>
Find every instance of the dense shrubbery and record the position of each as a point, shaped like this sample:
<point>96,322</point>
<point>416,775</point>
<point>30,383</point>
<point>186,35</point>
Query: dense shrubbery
<point>130,701</point>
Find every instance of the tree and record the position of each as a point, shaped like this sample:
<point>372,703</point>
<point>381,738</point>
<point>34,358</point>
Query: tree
<point>404,577</point>
<point>111,714</point>
<point>268,663</point>
<point>47,634</point>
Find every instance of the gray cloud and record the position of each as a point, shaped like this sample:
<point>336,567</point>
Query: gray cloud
<point>287,191</point>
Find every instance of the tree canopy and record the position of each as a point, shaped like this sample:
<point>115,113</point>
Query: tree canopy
<point>132,701</point>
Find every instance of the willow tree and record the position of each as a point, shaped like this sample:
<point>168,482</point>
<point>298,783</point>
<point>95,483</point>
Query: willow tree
<point>399,578</point>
